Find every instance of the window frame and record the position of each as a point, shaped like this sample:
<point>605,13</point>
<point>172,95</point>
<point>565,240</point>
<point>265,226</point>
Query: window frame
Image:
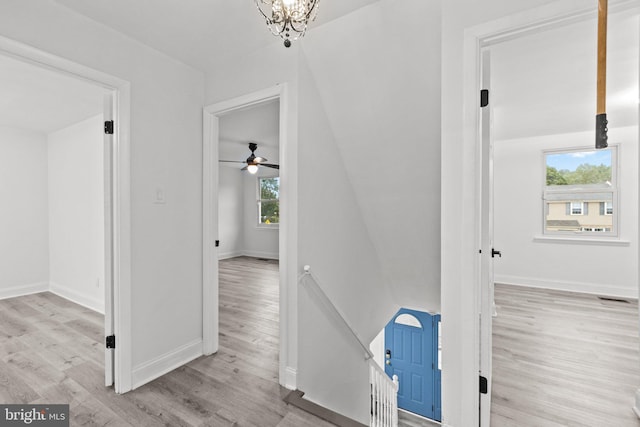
<point>556,192</point>
<point>260,200</point>
<point>572,208</point>
<point>606,208</point>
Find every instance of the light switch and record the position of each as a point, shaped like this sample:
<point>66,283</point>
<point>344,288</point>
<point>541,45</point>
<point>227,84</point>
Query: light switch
<point>159,198</point>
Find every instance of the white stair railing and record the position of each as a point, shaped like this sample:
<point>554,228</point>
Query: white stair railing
<point>384,390</point>
<point>384,397</point>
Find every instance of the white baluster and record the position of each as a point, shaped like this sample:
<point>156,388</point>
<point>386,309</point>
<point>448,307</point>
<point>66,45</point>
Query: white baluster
<point>396,384</point>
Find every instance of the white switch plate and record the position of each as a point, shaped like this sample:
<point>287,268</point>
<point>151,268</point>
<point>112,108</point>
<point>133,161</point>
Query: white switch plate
<point>159,199</point>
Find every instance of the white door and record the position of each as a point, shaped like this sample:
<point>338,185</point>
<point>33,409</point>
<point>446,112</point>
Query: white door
<point>488,252</point>
<point>109,354</point>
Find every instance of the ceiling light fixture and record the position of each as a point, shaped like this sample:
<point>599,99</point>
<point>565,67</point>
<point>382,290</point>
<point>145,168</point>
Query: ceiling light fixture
<point>252,168</point>
<point>288,18</point>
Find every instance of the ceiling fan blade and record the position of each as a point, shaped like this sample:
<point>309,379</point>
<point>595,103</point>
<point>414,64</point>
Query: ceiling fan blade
<point>232,161</point>
<point>245,168</point>
<point>269,165</point>
<point>260,160</point>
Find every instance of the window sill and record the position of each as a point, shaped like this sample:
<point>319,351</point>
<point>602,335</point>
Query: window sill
<point>268,227</point>
<point>581,240</point>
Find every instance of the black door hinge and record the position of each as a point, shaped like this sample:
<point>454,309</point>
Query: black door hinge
<point>108,127</point>
<point>217,243</point>
<point>484,97</point>
<point>484,385</point>
<point>111,341</point>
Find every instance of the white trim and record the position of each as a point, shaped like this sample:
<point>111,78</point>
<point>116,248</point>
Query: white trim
<point>227,255</point>
<point>95,304</point>
<point>259,254</point>
<point>569,286</point>
<point>252,254</point>
<point>157,367</point>
<point>288,226</point>
<point>636,406</point>
<point>121,197</point>
<point>20,290</point>
<point>290,378</point>
<point>581,241</point>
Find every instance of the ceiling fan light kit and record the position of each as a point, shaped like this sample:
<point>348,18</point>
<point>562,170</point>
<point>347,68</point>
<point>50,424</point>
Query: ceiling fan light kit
<point>253,161</point>
<point>288,18</point>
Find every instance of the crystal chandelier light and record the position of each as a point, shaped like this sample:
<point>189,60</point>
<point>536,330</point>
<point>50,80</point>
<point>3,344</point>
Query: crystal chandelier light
<point>288,18</point>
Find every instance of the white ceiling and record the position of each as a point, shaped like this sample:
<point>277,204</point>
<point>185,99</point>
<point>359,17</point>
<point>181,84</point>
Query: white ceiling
<point>42,100</point>
<point>200,33</point>
<point>259,124</point>
<point>545,83</point>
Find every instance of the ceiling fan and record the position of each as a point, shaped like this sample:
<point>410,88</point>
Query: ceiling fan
<point>253,161</point>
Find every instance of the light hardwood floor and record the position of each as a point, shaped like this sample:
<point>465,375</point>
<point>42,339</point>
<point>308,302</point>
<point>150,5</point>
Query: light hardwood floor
<point>51,351</point>
<point>563,359</point>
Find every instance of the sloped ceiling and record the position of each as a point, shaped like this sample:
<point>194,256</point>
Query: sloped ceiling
<point>200,33</point>
<point>545,83</point>
<point>41,100</point>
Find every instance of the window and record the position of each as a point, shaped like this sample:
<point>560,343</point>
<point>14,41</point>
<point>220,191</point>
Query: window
<point>608,208</point>
<point>580,192</point>
<point>268,201</point>
<point>576,208</point>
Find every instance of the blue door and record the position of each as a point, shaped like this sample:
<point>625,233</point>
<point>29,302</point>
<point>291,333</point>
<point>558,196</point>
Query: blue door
<point>411,353</point>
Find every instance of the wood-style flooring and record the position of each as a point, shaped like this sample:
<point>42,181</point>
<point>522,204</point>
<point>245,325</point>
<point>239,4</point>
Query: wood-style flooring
<point>51,351</point>
<point>563,359</point>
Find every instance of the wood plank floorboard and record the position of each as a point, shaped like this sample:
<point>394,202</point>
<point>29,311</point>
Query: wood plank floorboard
<point>52,351</point>
<point>563,359</point>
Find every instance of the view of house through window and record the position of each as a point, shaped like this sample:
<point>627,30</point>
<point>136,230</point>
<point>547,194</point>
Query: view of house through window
<point>268,201</point>
<point>580,192</point>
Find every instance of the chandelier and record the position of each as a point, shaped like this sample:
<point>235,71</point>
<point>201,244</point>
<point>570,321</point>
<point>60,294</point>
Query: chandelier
<point>288,18</point>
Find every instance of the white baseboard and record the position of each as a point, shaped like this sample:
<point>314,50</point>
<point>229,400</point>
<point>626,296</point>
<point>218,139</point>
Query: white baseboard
<point>18,291</point>
<point>95,304</point>
<point>561,285</point>
<point>159,366</point>
<point>253,254</point>
<point>227,255</point>
<point>258,254</point>
<point>290,380</point>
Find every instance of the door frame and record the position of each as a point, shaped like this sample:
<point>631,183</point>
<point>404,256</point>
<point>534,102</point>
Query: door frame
<point>288,323</point>
<point>118,242</point>
<point>476,39</point>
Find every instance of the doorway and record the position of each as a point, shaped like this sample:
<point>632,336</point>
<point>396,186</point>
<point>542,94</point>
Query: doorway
<point>286,159</point>
<point>411,352</point>
<point>519,136</point>
<point>110,98</point>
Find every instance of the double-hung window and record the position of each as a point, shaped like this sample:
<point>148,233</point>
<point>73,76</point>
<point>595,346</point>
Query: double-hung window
<point>580,193</point>
<point>268,202</point>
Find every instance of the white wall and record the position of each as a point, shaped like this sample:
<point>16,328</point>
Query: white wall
<point>24,245</point>
<point>76,213</point>
<point>238,216</point>
<point>378,77</point>
<point>230,211</point>
<point>258,241</point>
<point>566,265</point>
<point>166,153</point>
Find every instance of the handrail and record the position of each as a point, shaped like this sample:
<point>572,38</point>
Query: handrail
<point>384,400</point>
<point>334,310</point>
